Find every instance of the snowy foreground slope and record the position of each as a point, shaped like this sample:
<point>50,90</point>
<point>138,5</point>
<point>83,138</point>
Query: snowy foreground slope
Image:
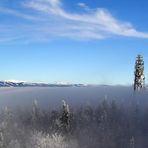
<point>110,123</point>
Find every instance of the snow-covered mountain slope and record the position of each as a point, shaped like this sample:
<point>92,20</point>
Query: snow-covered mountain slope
<point>11,83</point>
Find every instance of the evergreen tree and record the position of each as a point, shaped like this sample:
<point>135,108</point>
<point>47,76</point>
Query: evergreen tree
<point>65,119</point>
<point>139,81</point>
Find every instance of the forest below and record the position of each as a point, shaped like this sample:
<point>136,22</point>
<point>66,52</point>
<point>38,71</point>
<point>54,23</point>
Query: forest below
<point>107,125</point>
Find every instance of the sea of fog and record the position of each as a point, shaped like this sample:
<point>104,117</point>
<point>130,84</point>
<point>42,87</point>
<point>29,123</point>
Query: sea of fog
<point>51,97</point>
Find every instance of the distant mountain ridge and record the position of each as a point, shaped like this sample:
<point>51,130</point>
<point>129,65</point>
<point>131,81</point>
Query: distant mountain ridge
<point>30,84</point>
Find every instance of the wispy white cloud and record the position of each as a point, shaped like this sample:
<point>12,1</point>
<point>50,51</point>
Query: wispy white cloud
<point>101,20</point>
<point>83,5</point>
<point>55,21</point>
<point>16,13</point>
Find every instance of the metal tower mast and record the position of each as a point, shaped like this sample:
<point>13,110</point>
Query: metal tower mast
<point>139,81</point>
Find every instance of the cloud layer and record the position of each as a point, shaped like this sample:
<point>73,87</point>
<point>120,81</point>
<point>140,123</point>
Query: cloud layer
<point>50,19</point>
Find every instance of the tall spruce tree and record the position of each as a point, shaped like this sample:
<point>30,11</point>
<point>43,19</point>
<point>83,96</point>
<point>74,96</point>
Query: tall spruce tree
<point>139,81</point>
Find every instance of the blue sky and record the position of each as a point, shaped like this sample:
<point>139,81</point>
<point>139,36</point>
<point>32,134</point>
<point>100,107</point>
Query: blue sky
<point>76,41</point>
